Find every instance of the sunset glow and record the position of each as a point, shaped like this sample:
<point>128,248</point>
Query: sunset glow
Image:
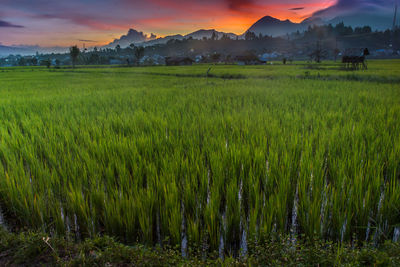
<point>63,23</point>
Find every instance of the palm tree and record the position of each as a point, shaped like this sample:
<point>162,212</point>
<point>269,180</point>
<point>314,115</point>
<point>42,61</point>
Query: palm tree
<point>74,53</point>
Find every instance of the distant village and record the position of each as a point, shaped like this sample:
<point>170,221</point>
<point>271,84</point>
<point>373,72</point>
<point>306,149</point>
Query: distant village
<point>317,43</point>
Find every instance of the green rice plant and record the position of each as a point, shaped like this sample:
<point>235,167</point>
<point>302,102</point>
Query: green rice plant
<point>161,156</point>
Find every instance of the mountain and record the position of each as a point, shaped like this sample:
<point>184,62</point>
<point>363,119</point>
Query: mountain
<point>136,37</point>
<point>377,14</point>
<point>377,19</point>
<point>164,40</point>
<point>132,37</point>
<point>275,27</point>
<point>200,34</point>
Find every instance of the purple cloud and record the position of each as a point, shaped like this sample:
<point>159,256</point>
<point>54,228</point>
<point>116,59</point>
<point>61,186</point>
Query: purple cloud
<point>344,6</point>
<point>239,4</point>
<point>5,24</point>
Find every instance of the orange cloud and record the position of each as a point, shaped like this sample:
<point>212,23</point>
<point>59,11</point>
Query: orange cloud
<point>62,21</point>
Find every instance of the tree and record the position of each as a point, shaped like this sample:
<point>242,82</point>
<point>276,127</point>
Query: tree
<point>94,58</point>
<point>363,30</point>
<point>21,61</point>
<point>74,53</point>
<point>225,37</point>
<point>215,57</point>
<point>118,49</point>
<point>214,36</point>
<point>318,53</point>
<point>34,61</point>
<point>139,54</point>
<point>336,53</point>
<point>250,36</point>
<point>48,63</point>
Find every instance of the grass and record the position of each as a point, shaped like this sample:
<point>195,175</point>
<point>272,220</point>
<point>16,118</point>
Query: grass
<point>158,154</point>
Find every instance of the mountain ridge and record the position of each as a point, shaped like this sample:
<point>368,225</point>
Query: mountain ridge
<point>141,38</point>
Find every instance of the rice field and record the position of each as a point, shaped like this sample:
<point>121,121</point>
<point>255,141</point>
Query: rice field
<point>165,155</point>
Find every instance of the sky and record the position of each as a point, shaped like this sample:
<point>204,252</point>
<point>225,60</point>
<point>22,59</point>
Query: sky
<point>97,22</point>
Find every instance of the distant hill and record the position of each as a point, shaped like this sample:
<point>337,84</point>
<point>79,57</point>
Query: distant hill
<point>200,34</point>
<point>132,37</point>
<point>27,50</point>
<point>163,40</point>
<point>375,21</point>
<point>375,13</point>
<point>378,18</point>
<point>8,50</point>
<point>275,27</point>
<point>136,37</point>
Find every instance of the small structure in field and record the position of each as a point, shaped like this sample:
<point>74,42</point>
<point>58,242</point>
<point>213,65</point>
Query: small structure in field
<point>178,61</point>
<point>249,60</point>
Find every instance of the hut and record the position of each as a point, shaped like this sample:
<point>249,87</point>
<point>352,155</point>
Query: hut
<point>178,61</point>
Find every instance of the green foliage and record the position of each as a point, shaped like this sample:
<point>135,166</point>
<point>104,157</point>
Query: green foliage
<point>139,53</point>
<point>37,249</point>
<point>74,53</point>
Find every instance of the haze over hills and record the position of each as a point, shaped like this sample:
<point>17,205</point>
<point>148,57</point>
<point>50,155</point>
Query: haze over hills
<point>377,21</point>
<point>26,50</point>
<point>8,50</point>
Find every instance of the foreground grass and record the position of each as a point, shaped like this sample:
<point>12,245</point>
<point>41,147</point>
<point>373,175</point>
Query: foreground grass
<point>36,249</point>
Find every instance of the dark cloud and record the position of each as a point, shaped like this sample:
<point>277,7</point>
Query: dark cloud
<point>355,3</point>
<point>343,6</point>
<point>5,24</point>
<point>296,8</point>
<point>87,41</point>
<point>239,4</point>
